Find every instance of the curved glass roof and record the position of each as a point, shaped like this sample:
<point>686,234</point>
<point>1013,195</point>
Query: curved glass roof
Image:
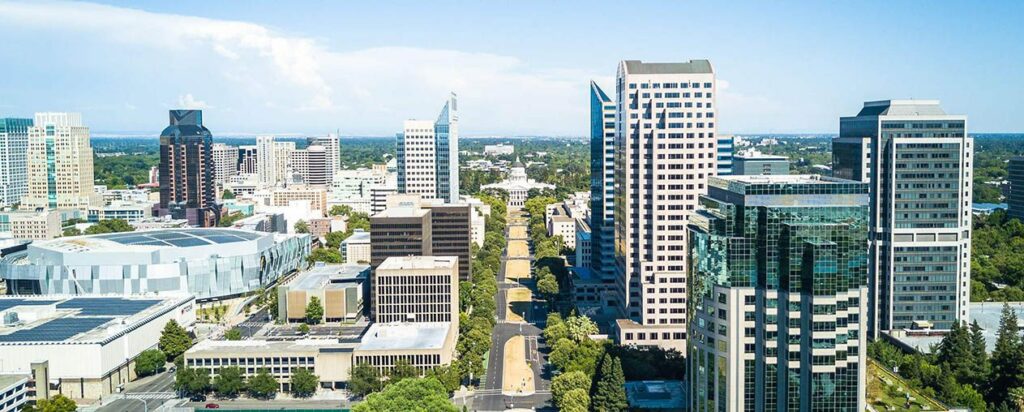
<point>180,237</point>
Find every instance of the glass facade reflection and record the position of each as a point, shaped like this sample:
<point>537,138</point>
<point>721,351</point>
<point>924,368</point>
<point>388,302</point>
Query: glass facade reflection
<point>778,294</point>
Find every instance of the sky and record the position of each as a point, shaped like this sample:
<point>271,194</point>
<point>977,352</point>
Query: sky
<point>518,67</point>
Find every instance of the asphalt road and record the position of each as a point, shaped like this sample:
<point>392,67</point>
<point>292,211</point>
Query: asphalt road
<point>154,391</point>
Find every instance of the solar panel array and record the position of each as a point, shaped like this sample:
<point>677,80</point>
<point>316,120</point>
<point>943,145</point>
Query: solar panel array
<point>89,314</point>
<point>181,237</point>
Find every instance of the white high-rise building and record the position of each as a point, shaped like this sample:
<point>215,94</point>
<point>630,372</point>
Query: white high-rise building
<point>282,160</point>
<point>13,160</point>
<point>428,156</point>
<point>664,153</point>
<point>266,161</point>
<point>332,148</point>
<point>225,162</point>
<point>60,170</point>
<point>312,165</point>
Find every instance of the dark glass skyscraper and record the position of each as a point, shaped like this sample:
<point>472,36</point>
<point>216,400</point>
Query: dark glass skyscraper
<point>187,189</point>
<point>602,184</point>
<point>778,294</point>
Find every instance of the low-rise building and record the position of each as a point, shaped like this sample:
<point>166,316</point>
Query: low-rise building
<point>13,391</point>
<point>130,211</point>
<point>317,196</point>
<point>356,248</point>
<point>417,289</point>
<point>31,225</point>
<point>89,342</point>
<point>583,247</point>
<point>499,149</point>
<point>339,288</point>
<point>657,395</point>
<point>753,162</point>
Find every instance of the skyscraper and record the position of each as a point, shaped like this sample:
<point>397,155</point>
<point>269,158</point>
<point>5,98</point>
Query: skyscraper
<point>446,133</point>
<point>332,149</point>
<point>664,153</point>
<point>225,162</point>
<point>60,173</point>
<point>428,156</point>
<point>1015,201</point>
<point>602,183</point>
<point>187,189</point>
<point>266,161</point>
<point>778,294</point>
<point>13,160</point>
<point>917,160</point>
<point>247,160</point>
<point>725,155</point>
<point>313,165</point>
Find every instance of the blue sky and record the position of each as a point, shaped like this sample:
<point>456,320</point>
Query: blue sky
<point>519,67</point>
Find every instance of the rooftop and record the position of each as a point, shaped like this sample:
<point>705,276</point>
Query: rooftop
<point>987,315</point>
<point>358,236</point>
<point>265,346</point>
<point>159,238</point>
<point>9,379</point>
<point>417,262</point>
<point>320,275</point>
<point>79,319</point>
<point>669,395</point>
<point>692,66</point>
<point>784,179</point>
<point>902,108</point>
<point>405,336</point>
<point>402,211</point>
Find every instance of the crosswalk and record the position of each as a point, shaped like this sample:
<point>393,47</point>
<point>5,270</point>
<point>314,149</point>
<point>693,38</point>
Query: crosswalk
<point>150,395</point>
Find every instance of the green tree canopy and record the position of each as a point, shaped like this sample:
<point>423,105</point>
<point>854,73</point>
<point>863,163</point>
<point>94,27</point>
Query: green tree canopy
<point>1007,357</point>
<point>193,383</point>
<point>227,195</point>
<point>576,400</point>
<point>610,392</point>
<point>233,334</point>
<point>340,210</point>
<point>229,382</point>
<point>174,340</point>
<point>566,382</point>
<point>301,227</point>
<point>304,383</point>
<point>402,370</point>
<point>58,403</point>
<point>409,395</point>
<point>71,231</point>
<point>109,226</point>
<point>314,311</point>
<point>325,255</point>
<point>150,361</point>
<point>263,385</point>
<point>364,379</point>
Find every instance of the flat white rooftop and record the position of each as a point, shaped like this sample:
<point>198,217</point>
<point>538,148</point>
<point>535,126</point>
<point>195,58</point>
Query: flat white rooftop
<point>405,336</point>
<point>77,319</point>
<point>417,262</point>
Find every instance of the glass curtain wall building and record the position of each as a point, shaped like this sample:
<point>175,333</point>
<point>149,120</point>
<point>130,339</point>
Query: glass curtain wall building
<point>778,294</point>
<point>602,184</point>
<point>13,159</point>
<point>187,188</point>
<point>446,136</point>
<point>917,160</point>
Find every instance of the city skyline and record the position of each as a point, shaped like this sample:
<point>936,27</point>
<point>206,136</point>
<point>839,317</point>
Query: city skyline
<point>288,71</point>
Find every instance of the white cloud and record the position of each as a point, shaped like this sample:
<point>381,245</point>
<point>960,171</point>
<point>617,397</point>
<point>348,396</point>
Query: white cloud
<point>261,72</point>
<point>186,101</point>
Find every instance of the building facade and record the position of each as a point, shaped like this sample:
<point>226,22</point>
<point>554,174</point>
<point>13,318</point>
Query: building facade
<point>13,160</point>
<point>517,185</point>
<point>446,135</point>
<point>1015,201</point>
<point>725,155</point>
<point>778,295</point>
<point>225,162</point>
<point>187,189</point>
<point>917,160</point>
<point>247,160</point>
<point>756,163</point>
<point>664,152</point>
<point>313,165</point>
<point>60,165</point>
<point>602,184</point>
<point>417,289</point>
<point>428,155</point>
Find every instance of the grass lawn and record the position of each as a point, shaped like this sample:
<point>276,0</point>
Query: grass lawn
<point>887,392</point>
<point>516,375</point>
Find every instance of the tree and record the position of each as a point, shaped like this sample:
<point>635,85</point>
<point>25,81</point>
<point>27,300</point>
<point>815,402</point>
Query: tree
<point>610,393</point>
<point>566,382</point>
<point>227,194</point>
<point>954,353</point>
<point>325,255</point>
<point>263,385</point>
<point>174,340</point>
<point>229,382</point>
<point>364,379</point>
<point>981,361</point>
<point>548,286</point>
<point>576,400</point>
<point>304,329</point>
<point>402,370</point>
<point>150,361</point>
<point>304,383</point>
<point>71,231</point>
<point>334,239</point>
<point>301,227</point>
<point>340,210</point>
<point>109,226</point>
<point>448,375</point>
<point>233,334</point>
<point>314,311</point>
<point>58,403</point>
<point>580,327</point>
<point>1007,358</point>
<point>568,355</point>
<point>193,383</point>
<point>423,394</point>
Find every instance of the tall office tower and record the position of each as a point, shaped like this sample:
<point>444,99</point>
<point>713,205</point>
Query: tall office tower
<point>60,173</point>
<point>428,156</point>
<point>1015,201</point>
<point>187,190</point>
<point>266,161</point>
<point>225,162</point>
<point>664,153</point>
<point>417,289</point>
<point>778,294</point>
<point>446,133</point>
<point>313,165</point>
<point>397,232</point>
<point>917,160</point>
<point>332,148</point>
<point>725,155</point>
<point>13,160</point>
<point>417,159</point>
<point>247,160</point>
<point>282,161</point>
<point>602,183</point>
